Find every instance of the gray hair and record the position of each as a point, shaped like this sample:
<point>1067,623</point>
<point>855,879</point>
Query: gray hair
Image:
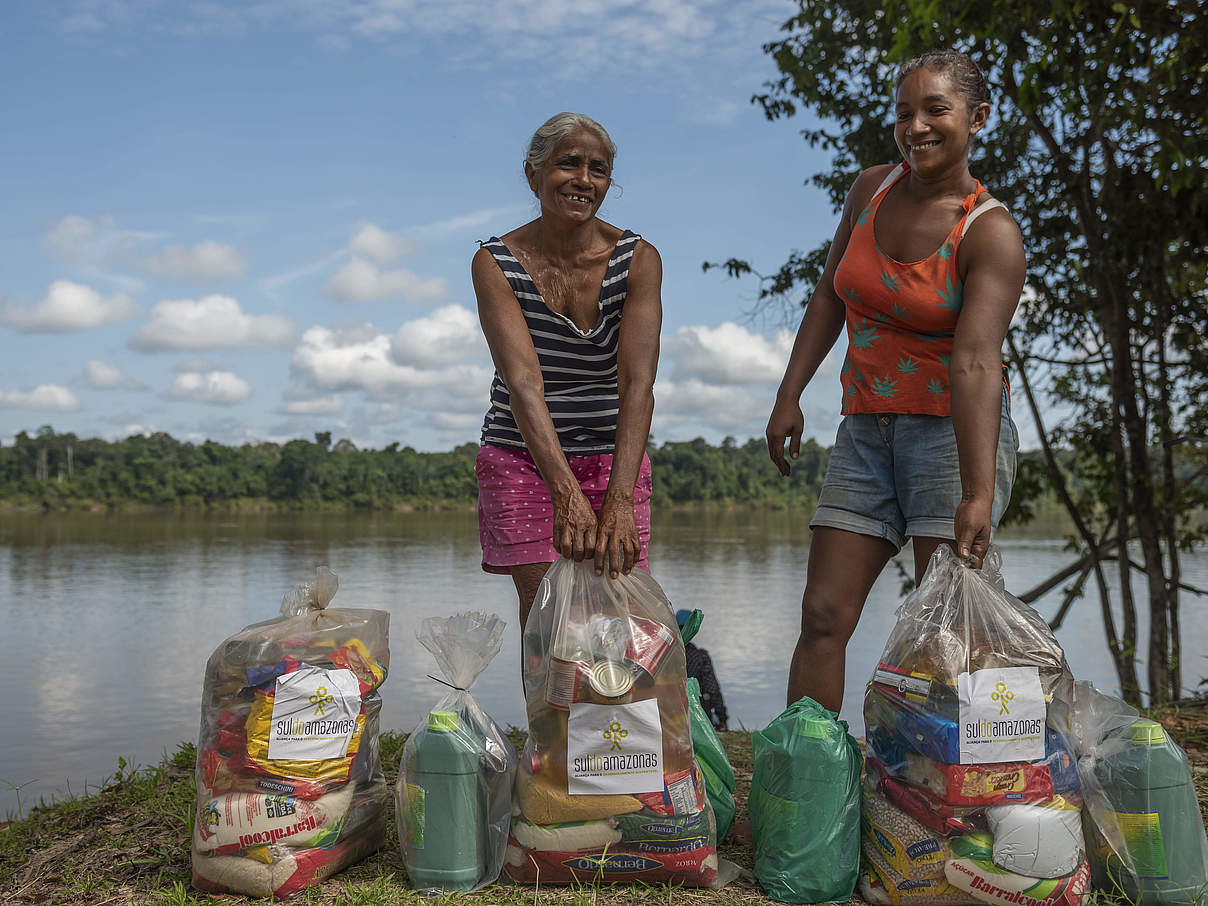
<point>558,127</point>
<point>966,77</point>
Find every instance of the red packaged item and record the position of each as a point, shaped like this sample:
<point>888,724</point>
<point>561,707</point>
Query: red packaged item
<point>692,868</point>
<point>924,808</point>
<point>978,784</point>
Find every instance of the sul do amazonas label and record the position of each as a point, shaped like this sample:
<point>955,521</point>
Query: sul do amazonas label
<point>1002,715</point>
<point>314,714</point>
<point>615,749</point>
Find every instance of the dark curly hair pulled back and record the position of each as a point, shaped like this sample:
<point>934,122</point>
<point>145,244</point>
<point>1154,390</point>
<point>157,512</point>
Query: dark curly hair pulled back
<point>966,77</point>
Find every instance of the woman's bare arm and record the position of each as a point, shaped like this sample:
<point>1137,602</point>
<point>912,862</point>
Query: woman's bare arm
<point>992,261</point>
<point>637,362</point>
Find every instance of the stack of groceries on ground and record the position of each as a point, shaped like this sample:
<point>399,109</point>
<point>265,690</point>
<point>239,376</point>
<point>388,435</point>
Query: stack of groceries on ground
<point>607,788</point>
<point>290,789</point>
<point>972,791</point>
<point>454,793</point>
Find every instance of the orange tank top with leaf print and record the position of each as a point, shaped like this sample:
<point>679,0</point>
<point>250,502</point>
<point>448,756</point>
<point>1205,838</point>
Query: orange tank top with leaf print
<point>901,317</point>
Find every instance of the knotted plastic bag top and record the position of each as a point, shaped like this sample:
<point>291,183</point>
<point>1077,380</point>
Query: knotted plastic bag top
<point>462,644</point>
<point>307,596</point>
<point>961,619</point>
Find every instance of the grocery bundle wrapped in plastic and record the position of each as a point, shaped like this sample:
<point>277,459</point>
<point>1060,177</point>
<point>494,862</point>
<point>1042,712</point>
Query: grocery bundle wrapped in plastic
<point>1142,818</point>
<point>454,793</point>
<point>290,788</point>
<point>805,806</point>
<point>710,753</point>
<point>972,791</point>
<point>607,788</point>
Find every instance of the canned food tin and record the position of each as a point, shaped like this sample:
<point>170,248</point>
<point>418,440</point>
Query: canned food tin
<point>650,641</point>
<point>610,682</point>
<point>564,682</point>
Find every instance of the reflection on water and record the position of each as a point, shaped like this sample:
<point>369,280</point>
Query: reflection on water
<point>108,620</point>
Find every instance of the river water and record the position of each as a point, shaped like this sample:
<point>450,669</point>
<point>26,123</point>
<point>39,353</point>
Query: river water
<point>107,620</point>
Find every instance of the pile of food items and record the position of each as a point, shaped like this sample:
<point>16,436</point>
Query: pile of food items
<point>607,788</point>
<point>971,792</point>
<point>290,788</point>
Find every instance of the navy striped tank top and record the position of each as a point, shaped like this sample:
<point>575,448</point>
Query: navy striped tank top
<point>579,368</point>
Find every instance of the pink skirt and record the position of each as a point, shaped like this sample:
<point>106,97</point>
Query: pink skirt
<point>516,517</point>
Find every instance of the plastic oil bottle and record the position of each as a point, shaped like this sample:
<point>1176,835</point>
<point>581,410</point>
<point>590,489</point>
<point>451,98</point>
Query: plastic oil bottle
<point>445,813</point>
<point>1148,780</point>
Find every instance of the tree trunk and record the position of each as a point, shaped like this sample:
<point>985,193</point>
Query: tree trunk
<point>1123,653</point>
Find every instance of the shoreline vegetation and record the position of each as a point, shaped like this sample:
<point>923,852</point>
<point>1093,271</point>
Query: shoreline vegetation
<point>49,472</point>
<point>127,842</point>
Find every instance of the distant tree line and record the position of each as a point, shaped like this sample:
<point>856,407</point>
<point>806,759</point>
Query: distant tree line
<point>62,471</point>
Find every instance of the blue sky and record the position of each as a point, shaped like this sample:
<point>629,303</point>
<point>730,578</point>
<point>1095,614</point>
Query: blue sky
<point>254,220</point>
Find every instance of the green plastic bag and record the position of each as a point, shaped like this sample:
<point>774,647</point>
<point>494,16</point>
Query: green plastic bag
<point>714,765</point>
<point>710,754</point>
<point>805,806</point>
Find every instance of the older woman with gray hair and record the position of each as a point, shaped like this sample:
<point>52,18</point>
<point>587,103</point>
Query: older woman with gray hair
<point>571,309</point>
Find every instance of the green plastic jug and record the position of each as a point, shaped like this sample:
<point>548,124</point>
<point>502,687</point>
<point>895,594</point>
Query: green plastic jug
<point>1148,781</point>
<point>445,823</point>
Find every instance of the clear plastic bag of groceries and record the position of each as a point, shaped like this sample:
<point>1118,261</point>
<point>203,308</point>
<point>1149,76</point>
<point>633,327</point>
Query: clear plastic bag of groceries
<point>1144,828</point>
<point>607,788</point>
<point>454,793</point>
<point>290,787</point>
<point>969,749</point>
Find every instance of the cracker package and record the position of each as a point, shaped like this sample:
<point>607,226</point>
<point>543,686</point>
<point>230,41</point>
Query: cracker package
<point>290,789</point>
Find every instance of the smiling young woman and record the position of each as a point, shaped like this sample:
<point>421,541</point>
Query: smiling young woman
<point>925,272</point>
<point>571,309</point>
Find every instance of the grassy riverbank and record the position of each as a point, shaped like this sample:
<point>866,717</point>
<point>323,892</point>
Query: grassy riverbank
<point>128,843</point>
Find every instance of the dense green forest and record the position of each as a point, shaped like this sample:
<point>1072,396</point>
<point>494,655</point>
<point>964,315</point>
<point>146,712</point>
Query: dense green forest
<point>61,471</point>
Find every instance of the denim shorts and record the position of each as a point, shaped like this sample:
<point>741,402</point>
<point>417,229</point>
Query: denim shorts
<point>898,476</point>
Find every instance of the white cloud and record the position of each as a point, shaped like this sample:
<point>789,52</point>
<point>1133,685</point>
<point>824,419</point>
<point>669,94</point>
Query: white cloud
<point>69,306</point>
<point>379,246</point>
<point>474,34</point>
<point>212,322</point>
<point>727,354</point>
<point>696,405</point>
<point>101,375</point>
<point>457,422</point>
<point>91,243</point>
<point>321,405</point>
<point>201,263</point>
<point>72,237</point>
<point>362,358</point>
<point>470,221</point>
<point>47,397</point>
<point>219,388</point>
<point>443,337</point>
<point>361,280</point>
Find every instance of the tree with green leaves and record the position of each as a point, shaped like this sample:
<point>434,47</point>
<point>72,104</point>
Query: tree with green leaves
<point>1098,145</point>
